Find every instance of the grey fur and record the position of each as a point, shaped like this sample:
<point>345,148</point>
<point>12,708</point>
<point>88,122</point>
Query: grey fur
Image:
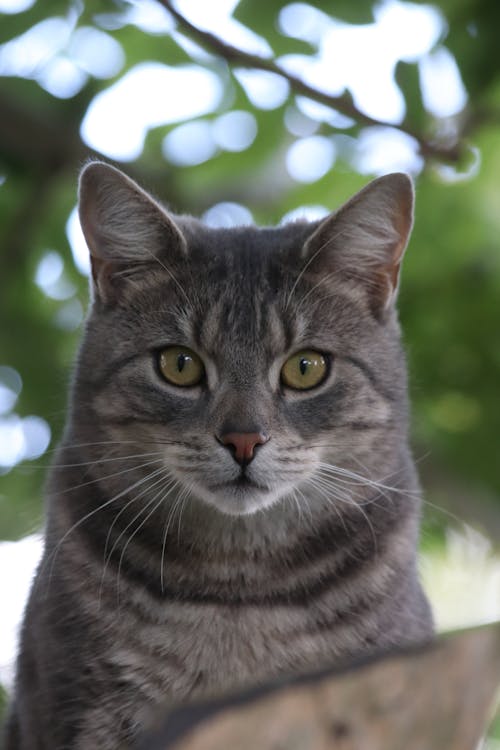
<point>164,577</point>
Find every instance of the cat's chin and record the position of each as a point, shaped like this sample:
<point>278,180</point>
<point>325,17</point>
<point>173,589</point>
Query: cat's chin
<point>238,499</point>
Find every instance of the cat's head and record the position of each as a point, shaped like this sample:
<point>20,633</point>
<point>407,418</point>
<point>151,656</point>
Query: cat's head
<point>247,360</point>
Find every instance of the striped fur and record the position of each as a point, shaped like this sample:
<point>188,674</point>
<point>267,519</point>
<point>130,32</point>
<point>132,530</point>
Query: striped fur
<point>164,577</point>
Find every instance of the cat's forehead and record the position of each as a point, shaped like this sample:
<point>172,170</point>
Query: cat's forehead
<point>235,242</point>
<point>249,287</point>
<point>246,268</point>
<point>243,325</point>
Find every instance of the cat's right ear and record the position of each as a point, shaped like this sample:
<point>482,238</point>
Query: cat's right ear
<point>125,229</point>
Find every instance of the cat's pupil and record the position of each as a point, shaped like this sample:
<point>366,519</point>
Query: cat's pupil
<point>181,362</point>
<point>304,363</point>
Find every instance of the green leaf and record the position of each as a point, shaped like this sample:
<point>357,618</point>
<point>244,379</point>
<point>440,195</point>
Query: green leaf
<point>408,80</point>
<point>357,12</point>
<point>139,47</point>
<point>263,17</point>
<point>13,25</point>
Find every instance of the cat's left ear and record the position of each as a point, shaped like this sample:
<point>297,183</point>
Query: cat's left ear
<point>365,240</point>
<point>125,229</point>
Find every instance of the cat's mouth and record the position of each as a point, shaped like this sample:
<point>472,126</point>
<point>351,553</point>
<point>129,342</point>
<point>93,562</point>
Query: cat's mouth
<point>238,496</point>
<point>243,481</point>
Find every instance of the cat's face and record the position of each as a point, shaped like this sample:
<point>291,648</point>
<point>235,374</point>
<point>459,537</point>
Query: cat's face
<point>246,358</point>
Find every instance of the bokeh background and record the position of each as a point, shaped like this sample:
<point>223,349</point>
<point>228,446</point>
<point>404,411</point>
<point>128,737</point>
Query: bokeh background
<point>240,111</point>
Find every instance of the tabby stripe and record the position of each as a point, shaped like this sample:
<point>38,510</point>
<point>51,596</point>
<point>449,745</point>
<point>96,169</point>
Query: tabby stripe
<point>302,594</point>
<point>371,377</point>
<point>137,420</point>
<point>360,424</point>
<point>333,535</point>
<point>328,544</point>
<point>109,375</point>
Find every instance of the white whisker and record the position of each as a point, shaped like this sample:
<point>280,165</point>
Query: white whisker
<point>163,473</point>
<point>178,501</point>
<point>171,274</point>
<point>359,506</point>
<point>323,492</point>
<point>348,475</point>
<point>294,496</point>
<point>91,513</point>
<point>185,497</point>
<point>105,476</point>
<point>306,265</point>
<point>139,527</point>
<point>107,460</point>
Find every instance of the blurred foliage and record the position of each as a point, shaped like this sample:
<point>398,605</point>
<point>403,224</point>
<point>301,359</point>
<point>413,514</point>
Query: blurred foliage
<point>450,294</point>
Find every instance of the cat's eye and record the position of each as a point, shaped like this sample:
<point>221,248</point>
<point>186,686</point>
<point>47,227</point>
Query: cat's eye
<point>304,370</point>
<point>181,366</point>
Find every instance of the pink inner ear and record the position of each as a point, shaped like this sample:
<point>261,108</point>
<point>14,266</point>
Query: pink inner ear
<point>386,279</point>
<point>388,284</point>
<point>394,275</point>
<point>103,278</point>
<point>364,241</point>
<point>124,227</point>
<point>100,269</point>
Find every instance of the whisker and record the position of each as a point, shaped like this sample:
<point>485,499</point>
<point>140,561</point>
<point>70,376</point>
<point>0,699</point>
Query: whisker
<point>306,502</point>
<point>110,442</point>
<point>98,461</point>
<point>106,476</point>
<point>363,480</point>
<point>294,496</point>
<point>332,491</point>
<point>308,263</point>
<point>181,510</point>
<point>165,534</point>
<point>359,507</point>
<point>139,527</point>
<point>349,487</point>
<point>357,497</point>
<point>320,282</point>
<point>329,500</point>
<point>162,473</point>
<point>339,493</point>
<point>171,274</point>
<point>136,517</point>
<point>107,557</point>
<point>444,511</point>
<point>88,515</point>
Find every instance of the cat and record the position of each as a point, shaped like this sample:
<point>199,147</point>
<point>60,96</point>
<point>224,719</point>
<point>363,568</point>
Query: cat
<point>234,497</point>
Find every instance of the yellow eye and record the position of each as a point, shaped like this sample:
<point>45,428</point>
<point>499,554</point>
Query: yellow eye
<point>181,366</point>
<point>304,370</point>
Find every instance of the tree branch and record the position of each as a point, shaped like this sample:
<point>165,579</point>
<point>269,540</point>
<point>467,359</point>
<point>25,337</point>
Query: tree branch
<point>451,152</point>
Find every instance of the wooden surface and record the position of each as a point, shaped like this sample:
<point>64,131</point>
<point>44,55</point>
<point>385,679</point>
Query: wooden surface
<point>439,697</point>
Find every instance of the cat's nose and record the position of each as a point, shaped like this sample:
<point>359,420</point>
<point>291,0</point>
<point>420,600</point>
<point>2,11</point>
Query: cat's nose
<point>243,444</point>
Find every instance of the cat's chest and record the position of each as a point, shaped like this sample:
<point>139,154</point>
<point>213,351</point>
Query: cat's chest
<point>196,651</point>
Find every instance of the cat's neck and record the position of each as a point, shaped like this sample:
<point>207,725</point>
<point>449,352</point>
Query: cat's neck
<point>191,549</point>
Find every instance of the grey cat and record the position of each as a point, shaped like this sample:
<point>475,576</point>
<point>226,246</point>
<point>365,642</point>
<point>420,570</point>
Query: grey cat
<point>234,497</point>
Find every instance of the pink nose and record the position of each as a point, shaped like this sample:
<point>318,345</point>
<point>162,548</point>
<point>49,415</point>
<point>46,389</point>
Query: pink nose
<point>242,444</point>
